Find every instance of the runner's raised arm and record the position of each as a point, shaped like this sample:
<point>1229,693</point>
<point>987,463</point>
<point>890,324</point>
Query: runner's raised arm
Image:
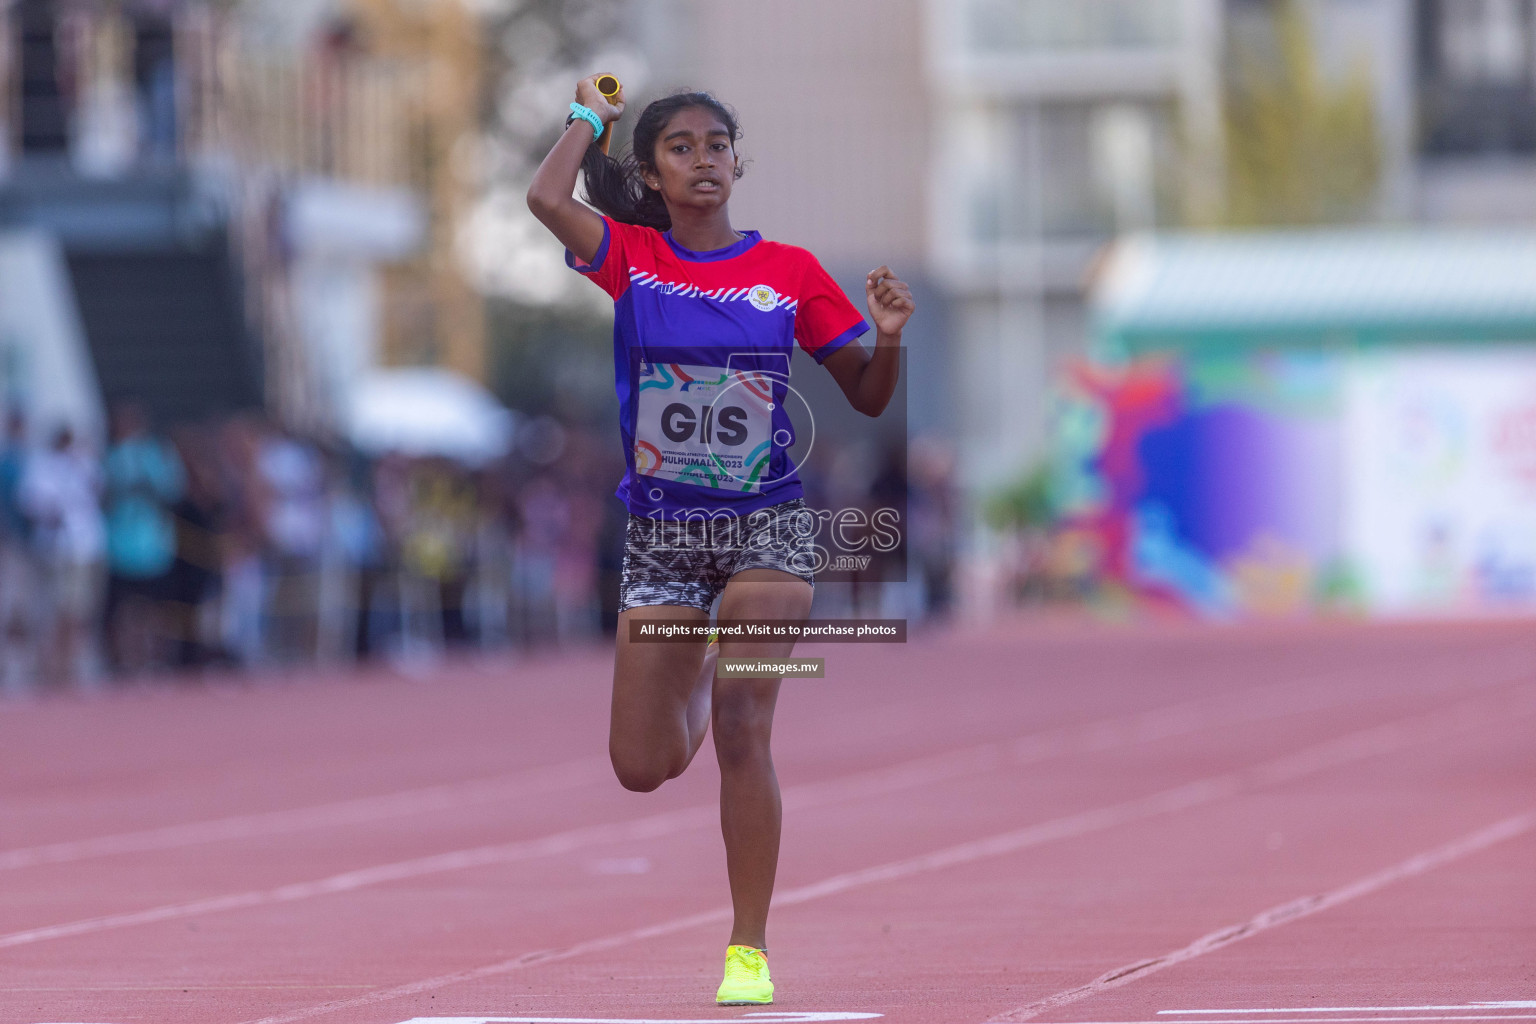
<point>551,197</point>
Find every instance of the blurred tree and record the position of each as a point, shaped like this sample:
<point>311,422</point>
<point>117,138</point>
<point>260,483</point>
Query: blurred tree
<point>552,359</point>
<point>536,52</point>
<point>1025,504</point>
<point>549,332</point>
<point>1301,148</point>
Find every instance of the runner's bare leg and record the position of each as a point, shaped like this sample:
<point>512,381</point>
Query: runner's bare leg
<point>700,702</point>
<point>657,722</point>
<point>750,811</point>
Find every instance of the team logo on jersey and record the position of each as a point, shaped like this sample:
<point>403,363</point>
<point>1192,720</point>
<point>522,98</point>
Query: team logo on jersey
<point>762,297</point>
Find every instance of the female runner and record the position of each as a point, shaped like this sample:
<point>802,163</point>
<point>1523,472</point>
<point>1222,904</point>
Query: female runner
<point>704,320</point>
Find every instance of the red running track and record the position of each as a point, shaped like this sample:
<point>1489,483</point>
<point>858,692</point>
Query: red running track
<point>1047,821</point>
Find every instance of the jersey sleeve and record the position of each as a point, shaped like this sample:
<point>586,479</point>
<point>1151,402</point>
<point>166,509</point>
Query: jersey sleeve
<point>609,268</point>
<point>825,320</point>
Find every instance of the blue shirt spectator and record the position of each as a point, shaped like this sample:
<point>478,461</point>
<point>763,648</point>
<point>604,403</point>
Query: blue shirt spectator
<point>144,478</point>
<point>13,456</point>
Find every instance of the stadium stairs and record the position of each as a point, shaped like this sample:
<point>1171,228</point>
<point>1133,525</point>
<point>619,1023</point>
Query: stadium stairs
<point>156,283</point>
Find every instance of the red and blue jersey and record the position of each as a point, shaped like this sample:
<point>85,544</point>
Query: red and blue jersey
<point>701,345</point>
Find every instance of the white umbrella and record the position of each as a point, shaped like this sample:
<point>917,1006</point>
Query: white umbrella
<point>427,411</point>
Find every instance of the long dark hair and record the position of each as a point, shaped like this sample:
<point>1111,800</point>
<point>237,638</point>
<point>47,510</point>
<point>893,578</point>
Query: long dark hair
<point>615,186</point>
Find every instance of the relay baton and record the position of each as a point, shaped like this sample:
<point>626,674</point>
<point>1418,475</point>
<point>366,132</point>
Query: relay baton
<point>610,89</point>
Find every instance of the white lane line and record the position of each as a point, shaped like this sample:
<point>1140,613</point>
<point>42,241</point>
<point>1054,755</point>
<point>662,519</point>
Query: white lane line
<point>1496,1004</point>
<point>1255,704</point>
<point>1378,739</point>
<point>448,796</point>
<point>1434,726</point>
<point>1346,1020</point>
<point>863,786</point>
<point>1283,914</point>
<point>459,860</point>
<point>798,1017</point>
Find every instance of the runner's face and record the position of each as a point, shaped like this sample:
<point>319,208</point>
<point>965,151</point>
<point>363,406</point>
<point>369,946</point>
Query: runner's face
<point>695,164</point>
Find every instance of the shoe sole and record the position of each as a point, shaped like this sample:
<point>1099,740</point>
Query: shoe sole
<point>743,1002</point>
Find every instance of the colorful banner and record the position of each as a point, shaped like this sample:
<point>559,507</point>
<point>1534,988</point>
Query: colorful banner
<point>1440,470</point>
<point>1212,486</point>
<point>1273,483</point>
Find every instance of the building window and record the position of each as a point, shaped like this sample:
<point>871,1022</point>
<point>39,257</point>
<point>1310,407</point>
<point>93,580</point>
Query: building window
<point>1477,76</point>
<point>1029,26</point>
<point>1072,203</point>
<point>1070,171</point>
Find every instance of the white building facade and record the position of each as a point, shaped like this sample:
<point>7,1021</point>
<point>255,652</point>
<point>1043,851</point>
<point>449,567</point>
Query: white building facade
<point>998,146</point>
<point>1057,125</point>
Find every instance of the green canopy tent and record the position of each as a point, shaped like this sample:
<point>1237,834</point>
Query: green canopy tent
<point>1206,294</point>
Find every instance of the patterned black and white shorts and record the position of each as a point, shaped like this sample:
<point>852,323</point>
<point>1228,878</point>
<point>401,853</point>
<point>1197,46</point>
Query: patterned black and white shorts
<point>689,561</point>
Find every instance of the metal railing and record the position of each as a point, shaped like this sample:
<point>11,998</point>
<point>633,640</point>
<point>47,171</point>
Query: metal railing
<point>320,112</point>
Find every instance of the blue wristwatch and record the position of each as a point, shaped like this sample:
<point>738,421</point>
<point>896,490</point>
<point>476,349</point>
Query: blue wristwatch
<point>588,115</point>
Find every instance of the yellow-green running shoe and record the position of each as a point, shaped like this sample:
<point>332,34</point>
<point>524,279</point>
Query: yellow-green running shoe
<point>746,978</point>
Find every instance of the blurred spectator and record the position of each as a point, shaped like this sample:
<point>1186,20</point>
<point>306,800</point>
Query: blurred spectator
<point>576,605</point>
<point>854,470</point>
<point>889,490</point>
<point>244,544</point>
<point>17,618</point>
<point>193,588</point>
<point>586,478</point>
<point>933,516</point>
<point>291,485</point>
<point>436,551</point>
<point>494,556</point>
<point>610,560</point>
<point>154,75</point>
<point>143,479</point>
<point>352,562</point>
<point>60,493</point>
<point>242,616</point>
<point>544,513</point>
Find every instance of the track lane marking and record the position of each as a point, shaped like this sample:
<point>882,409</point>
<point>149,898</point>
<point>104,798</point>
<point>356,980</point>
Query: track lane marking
<point>451,795</point>
<point>752,1018</point>
<point>1346,1020</point>
<point>1496,1004</point>
<point>1098,735</point>
<point>1341,750</point>
<point>1435,725</point>
<point>1255,704</point>
<point>1283,914</point>
<point>169,988</point>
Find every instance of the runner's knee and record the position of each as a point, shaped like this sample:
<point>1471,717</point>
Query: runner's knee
<point>742,732</point>
<point>640,775</point>
<point>641,767</point>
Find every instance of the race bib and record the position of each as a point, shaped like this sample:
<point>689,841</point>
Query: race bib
<point>704,425</point>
